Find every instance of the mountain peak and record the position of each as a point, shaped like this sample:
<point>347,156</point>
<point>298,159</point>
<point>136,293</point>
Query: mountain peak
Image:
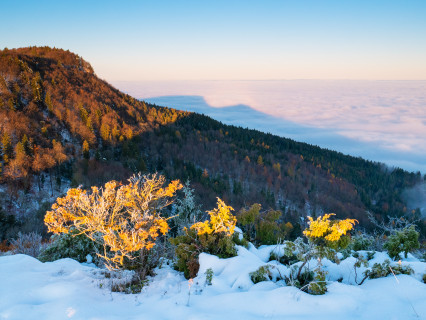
<point>48,55</point>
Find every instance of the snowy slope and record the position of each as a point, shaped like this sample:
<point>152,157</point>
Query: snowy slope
<point>66,289</point>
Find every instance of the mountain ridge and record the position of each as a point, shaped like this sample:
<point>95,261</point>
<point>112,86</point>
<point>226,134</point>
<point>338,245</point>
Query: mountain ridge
<point>60,121</point>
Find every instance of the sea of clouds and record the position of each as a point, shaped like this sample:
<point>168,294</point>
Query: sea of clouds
<point>378,120</point>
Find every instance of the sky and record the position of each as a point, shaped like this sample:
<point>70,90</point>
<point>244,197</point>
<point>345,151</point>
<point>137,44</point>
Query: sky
<point>228,40</point>
<point>265,55</point>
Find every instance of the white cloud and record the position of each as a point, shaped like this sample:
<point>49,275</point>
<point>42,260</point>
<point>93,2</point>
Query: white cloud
<point>378,120</point>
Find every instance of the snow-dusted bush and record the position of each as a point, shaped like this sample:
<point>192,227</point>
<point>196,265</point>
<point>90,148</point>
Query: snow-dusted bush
<point>28,243</point>
<point>263,227</point>
<point>405,241</point>
<point>186,210</point>
<point>326,233</point>
<point>361,241</point>
<point>319,284</point>
<point>71,245</point>
<point>384,269</point>
<point>209,276</point>
<point>124,281</point>
<point>261,274</point>
<point>126,220</point>
<point>214,236</point>
<point>288,256</point>
<point>325,237</point>
<point>299,278</point>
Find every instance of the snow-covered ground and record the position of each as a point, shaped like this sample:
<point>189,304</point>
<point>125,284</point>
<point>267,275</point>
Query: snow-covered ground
<point>66,289</point>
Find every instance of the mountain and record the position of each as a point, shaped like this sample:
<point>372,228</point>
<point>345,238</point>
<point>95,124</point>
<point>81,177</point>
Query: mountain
<point>61,124</point>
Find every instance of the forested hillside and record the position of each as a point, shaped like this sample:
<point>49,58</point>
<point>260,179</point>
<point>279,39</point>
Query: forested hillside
<point>62,125</point>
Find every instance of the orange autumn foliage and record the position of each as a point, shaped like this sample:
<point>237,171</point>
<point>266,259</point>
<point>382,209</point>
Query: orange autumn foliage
<point>124,218</point>
<point>221,220</point>
<point>329,230</point>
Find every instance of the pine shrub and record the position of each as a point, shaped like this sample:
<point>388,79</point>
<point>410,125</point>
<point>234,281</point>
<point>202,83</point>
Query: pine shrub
<point>405,241</point>
<point>261,274</point>
<point>70,245</point>
<point>384,269</point>
<point>214,236</point>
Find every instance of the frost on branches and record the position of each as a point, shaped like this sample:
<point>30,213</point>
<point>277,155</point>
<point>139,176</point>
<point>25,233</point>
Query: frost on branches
<point>125,219</point>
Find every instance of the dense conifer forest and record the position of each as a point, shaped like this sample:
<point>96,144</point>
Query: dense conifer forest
<point>60,125</point>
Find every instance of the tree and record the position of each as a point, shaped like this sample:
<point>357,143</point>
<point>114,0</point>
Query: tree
<point>85,149</point>
<point>48,102</point>
<point>105,132</point>
<point>187,211</point>
<point>7,147</point>
<point>26,143</point>
<point>36,86</point>
<point>125,219</point>
<point>19,166</point>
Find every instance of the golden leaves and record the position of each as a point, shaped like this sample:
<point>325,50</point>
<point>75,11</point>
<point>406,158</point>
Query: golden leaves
<point>329,230</point>
<point>127,217</point>
<point>221,220</point>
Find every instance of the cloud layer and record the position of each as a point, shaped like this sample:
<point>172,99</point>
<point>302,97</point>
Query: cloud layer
<point>378,120</point>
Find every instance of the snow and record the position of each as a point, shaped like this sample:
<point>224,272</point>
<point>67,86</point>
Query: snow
<point>66,289</point>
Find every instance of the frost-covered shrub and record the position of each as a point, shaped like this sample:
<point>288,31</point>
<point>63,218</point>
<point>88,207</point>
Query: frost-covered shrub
<point>384,269</point>
<point>190,245</point>
<point>125,219</point>
<point>261,274</point>
<point>70,245</point>
<point>299,278</point>
<point>319,284</point>
<point>214,236</point>
<point>370,255</point>
<point>240,241</point>
<point>361,241</point>
<point>124,281</point>
<point>28,243</point>
<point>405,241</point>
<point>186,211</point>
<point>312,282</point>
<point>187,252</point>
<point>325,237</point>
<point>209,276</point>
<point>361,261</point>
<point>263,227</point>
<point>288,257</point>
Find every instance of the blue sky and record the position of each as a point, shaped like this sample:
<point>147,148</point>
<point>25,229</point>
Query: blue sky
<point>203,40</point>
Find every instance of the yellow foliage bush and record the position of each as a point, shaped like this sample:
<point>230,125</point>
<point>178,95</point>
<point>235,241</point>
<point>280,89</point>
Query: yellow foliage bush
<point>325,229</point>
<point>221,220</point>
<point>213,236</point>
<point>124,218</point>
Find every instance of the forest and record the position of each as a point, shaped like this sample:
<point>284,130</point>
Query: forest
<point>61,126</point>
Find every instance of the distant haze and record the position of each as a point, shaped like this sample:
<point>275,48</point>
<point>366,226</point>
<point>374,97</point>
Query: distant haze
<point>378,120</point>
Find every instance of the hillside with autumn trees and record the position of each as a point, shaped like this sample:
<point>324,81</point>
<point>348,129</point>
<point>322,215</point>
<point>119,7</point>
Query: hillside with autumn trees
<point>62,126</point>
